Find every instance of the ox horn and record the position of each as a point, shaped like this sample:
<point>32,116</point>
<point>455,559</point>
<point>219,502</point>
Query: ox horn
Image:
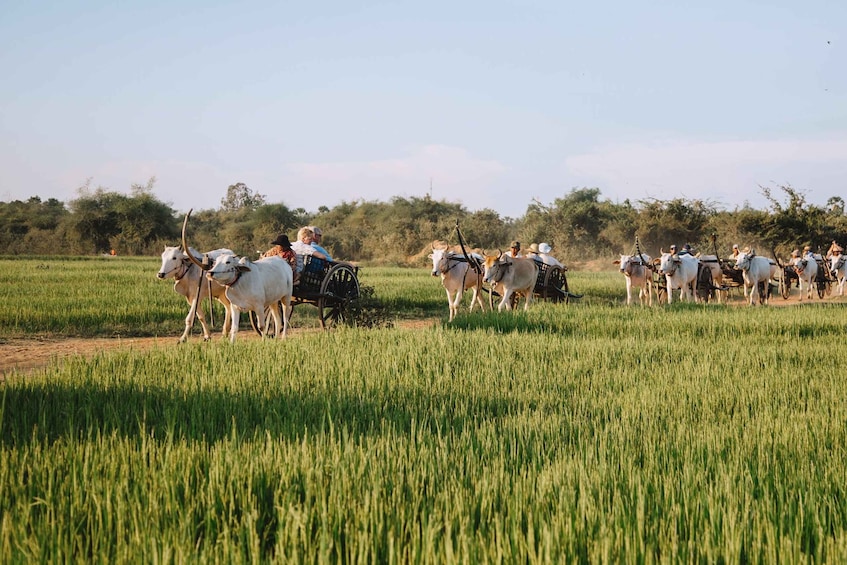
<point>185,245</point>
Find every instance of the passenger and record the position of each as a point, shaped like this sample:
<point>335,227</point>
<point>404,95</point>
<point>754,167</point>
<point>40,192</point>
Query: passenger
<point>735,251</point>
<point>282,247</point>
<point>686,250</point>
<point>303,247</point>
<point>834,250</point>
<point>544,250</point>
<point>532,252</point>
<point>514,249</point>
<point>316,241</point>
<point>807,253</point>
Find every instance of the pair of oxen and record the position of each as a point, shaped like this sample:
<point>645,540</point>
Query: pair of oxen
<point>507,276</point>
<point>239,284</point>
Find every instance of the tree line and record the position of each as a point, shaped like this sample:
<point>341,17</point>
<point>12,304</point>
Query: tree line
<point>581,225</point>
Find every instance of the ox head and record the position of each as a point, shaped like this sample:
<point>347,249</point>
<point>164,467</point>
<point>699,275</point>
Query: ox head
<point>742,262</point>
<point>495,266</point>
<point>440,257</point>
<point>227,268</point>
<point>174,263</point>
<point>836,263</point>
<point>668,264</point>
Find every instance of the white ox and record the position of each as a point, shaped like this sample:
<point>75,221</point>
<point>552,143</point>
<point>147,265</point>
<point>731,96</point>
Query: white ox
<point>806,268</point>
<point>838,268</point>
<point>255,286</point>
<point>511,275</point>
<point>634,269</point>
<point>680,273</point>
<point>457,276</point>
<point>189,281</point>
<point>756,270</point>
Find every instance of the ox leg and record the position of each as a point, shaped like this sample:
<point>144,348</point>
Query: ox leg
<point>669,286</point>
<point>451,303</point>
<point>235,318</point>
<point>528,300</point>
<point>286,314</point>
<point>506,302</point>
<point>278,324</point>
<point>629,291</point>
<point>195,311</point>
<point>754,293</point>
<point>227,319</point>
<point>476,297</point>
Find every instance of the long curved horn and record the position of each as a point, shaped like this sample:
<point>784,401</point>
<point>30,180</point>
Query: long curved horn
<point>185,245</point>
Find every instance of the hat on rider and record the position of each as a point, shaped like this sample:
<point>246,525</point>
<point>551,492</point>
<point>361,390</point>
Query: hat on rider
<point>515,245</point>
<point>533,247</point>
<point>283,241</point>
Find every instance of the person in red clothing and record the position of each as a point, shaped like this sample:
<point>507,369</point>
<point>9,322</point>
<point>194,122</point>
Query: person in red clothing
<point>282,247</point>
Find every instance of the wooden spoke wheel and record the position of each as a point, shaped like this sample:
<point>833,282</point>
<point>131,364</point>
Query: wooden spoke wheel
<point>705,284</point>
<point>824,288</point>
<point>555,285</point>
<point>339,290</point>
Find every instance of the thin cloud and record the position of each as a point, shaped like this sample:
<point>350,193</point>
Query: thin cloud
<point>729,172</point>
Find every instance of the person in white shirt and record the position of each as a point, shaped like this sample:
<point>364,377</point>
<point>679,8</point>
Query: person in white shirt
<point>544,250</point>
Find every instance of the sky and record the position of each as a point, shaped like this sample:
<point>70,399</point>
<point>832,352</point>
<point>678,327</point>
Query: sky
<point>492,105</point>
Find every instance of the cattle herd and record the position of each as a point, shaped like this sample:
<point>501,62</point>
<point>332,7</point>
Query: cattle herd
<point>269,281</point>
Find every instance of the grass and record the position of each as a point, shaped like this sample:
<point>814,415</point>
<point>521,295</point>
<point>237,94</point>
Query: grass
<point>589,432</point>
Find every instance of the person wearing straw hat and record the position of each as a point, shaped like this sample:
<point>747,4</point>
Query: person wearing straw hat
<point>532,252</point>
<point>834,250</point>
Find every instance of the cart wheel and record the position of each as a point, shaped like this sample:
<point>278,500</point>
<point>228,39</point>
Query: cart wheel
<point>704,284</point>
<point>821,288</point>
<point>339,289</point>
<point>828,288</point>
<point>555,285</point>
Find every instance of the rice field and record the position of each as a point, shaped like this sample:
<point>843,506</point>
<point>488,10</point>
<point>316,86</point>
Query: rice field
<point>588,432</point>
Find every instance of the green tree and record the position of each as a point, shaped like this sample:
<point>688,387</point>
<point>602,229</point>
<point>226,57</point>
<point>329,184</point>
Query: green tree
<point>239,197</point>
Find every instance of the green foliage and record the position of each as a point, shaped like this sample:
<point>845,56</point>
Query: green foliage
<point>239,196</point>
<point>580,225</point>
<point>102,220</point>
<point>32,226</point>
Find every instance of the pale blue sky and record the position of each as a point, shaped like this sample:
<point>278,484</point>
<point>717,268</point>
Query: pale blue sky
<point>495,103</point>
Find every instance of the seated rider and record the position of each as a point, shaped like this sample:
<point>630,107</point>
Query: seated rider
<point>544,250</point>
<point>303,247</point>
<point>514,249</point>
<point>316,241</point>
<point>282,247</point>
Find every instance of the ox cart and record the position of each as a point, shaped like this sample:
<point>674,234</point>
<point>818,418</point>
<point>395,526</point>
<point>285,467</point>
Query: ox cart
<point>823,280</point>
<point>551,284</point>
<point>331,286</point>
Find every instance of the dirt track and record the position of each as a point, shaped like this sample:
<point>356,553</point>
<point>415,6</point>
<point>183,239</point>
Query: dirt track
<point>30,354</point>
